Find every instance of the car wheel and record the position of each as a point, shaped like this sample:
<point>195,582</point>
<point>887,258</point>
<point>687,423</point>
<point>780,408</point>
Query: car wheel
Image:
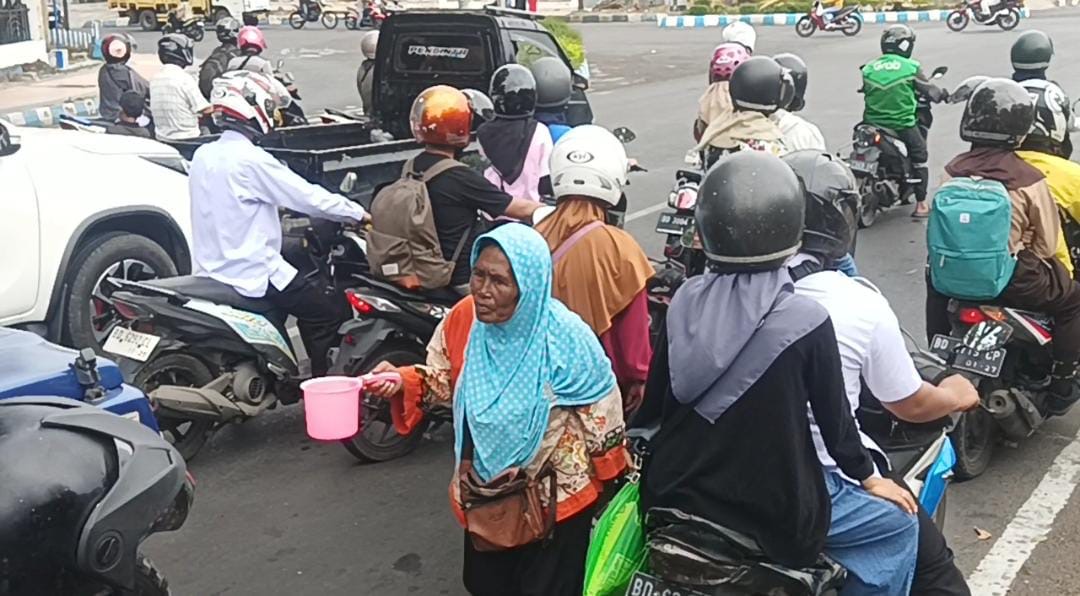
<point>184,370</point>
<point>148,20</point>
<point>90,313</point>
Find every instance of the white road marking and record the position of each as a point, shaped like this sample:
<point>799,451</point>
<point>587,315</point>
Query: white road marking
<point>1029,527</point>
<point>646,211</point>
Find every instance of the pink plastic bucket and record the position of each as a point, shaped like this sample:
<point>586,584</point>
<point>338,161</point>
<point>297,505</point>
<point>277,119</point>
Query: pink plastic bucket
<point>332,407</point>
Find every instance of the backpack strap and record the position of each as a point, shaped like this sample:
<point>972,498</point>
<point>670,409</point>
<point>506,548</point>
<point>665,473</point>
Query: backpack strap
<point>461,243</point>
<point>439,167</point>
<point>573,239</point>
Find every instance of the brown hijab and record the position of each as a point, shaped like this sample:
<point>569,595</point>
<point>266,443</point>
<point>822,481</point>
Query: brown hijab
<point>600,276</point>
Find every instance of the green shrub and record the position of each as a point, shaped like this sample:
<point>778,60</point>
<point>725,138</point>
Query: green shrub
<point>748,8</point>
<point>569,39</point>
<point>698,10</point>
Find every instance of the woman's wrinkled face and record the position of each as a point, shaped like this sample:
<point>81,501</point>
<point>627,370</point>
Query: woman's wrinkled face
<point>493,287</point>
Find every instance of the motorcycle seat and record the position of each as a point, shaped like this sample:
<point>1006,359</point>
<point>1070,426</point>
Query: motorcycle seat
<point>440,295</point>
<point>211,290</point>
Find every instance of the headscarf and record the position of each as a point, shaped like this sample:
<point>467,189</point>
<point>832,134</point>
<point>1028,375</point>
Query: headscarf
<point>995,163</point>
<point>725,331</point>
<point>515,372</point>
<point>728,131</point>
<point>506,143</point>
<point>604,272</point>
<point>715,102</point>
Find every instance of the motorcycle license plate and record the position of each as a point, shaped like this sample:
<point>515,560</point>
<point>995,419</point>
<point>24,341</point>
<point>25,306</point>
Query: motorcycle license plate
<point>646,585</point>
<point>952,350</point>
<point>867,167</point>
<point>131,344</point>
<point>674,223</point>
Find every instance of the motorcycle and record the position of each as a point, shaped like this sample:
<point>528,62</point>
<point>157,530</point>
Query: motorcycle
<point>692,556</point>
<point>373,14</point>
<point>192,28</point>
<point>1006,15</point>
<point>681,259</point>
<point>847,20</point>
<point>207,355</point>
<point>879,160</point>
<point>293,113</point>
<point>311,11</point>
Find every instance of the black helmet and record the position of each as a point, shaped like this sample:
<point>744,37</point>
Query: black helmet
<point>963,91</point>
<point>227,30</point>
<point>1000,112</point>
<point>554,83</point>
<point>513,91</point>
<point>760,85</point>
<point>82,488</point>
<point>749,212</point>
<point>1053,116</point>
<point>797,69</point>
<point>1032,51</point>
<point>176,49</point>
<point>832,200</point>
<point>898,39</point>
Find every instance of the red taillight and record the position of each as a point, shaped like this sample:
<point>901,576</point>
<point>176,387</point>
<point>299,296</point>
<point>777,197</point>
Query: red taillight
<point>358,303</point>
<point>126,310</point>
<point>972,316</point>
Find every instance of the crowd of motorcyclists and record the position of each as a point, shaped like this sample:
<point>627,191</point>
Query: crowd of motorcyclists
<point>546,361</point>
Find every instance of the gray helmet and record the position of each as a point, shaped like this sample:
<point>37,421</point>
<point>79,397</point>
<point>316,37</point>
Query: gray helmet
<point>368,44</point>
<point>1053,117</point>
<point>749,212</point>
<point>798,71</point>
<point>761,85</point>
<point>1032,51</point>
<point>898,39</point>
<point>227,30</point>
<point>999,113</point>
<point>176,49</point>
<point>554,82</point>
<point>832,199</point>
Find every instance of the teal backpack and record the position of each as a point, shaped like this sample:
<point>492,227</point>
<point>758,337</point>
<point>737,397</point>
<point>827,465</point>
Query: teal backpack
<point>968,239</point>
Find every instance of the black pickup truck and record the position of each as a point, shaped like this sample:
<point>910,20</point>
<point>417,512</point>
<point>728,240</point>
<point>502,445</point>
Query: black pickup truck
<point>416,50</point>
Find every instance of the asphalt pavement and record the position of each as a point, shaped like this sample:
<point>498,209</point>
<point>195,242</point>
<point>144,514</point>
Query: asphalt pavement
<point>276,513</point>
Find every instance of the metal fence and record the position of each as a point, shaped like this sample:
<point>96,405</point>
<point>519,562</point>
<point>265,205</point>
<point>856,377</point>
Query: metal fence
<point>14,21</point>
<point>74,39</point>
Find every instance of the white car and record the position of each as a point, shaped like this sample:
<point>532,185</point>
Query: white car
<point>79,208</point>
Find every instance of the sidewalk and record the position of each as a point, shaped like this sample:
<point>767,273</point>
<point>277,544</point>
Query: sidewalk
<point>39,103</point>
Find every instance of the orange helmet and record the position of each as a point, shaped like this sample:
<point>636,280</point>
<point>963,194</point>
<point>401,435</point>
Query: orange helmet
<point>441,115</point>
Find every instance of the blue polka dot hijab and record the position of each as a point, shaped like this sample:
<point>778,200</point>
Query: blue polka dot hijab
<point>515,372</point>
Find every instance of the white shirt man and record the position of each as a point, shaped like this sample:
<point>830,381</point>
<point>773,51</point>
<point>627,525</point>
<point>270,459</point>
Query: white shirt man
<point>798,133</point>
<point>177,103</point>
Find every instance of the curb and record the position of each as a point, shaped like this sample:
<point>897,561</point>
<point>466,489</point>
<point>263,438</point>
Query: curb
<point>86,107</point>
<point>637,17</point>
<point>789,19</point>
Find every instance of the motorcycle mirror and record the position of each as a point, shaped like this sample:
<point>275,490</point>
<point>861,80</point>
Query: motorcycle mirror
<point>348,183</point>
<point>939,72</point>
<point>625,135</point>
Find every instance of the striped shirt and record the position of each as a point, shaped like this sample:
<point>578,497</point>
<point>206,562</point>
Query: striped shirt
<point>176,102</point>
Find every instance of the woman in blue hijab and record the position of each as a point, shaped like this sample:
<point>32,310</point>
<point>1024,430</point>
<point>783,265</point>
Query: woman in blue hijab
<point>532,393</point>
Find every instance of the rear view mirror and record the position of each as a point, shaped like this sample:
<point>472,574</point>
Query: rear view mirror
<point>8,143</point>
<point>348,183</point>
<point>625,135</point>
<point>939,72</point>
<point>580,82</point>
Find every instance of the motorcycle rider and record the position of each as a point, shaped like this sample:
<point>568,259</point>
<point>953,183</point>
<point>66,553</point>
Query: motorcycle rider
<point>554,87</point>
<point>175,99</point>
<point>872,349</point>
<point>179,16</point>
<point>600,272</point>
<point>798,133</point>
<point>73,524</point>
<point>132,105</point>
<point>365,75</point>
<point>741,33</point>
<point>228,31</point>
<point>997,117</point>
<point>236,191</point>
<point>1031,55</point>
<point>716,101</point>
<point>440,119</point>
<point>758,88</point>
<point>116,77</point>
<point>891,85</point>
<point>518,147</point>
<point>738,361</point>
<point>252,43</point>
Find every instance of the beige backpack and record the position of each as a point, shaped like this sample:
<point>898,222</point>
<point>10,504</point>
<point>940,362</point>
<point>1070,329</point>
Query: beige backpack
<point>402,244</point>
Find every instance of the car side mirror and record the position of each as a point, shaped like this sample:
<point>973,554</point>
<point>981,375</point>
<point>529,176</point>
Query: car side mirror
<point>939,72</point>
<point>625,135</point>
<point>9,143</point>
<point>348,183</point>
<point>580,82</point>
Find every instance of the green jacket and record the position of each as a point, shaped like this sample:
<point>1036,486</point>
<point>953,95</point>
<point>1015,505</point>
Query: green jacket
<point>889,91</point>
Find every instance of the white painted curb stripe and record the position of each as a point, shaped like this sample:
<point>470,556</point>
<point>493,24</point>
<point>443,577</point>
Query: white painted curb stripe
<point>998,569</point>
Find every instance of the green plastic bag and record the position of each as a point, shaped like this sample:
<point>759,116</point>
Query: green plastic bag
<point>617,546</point>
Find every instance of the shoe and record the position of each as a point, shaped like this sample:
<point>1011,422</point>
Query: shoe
<point>1063,391</point>
<point>922,210</point>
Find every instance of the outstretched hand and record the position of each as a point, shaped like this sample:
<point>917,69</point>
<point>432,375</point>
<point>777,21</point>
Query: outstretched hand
<point>386,387</point>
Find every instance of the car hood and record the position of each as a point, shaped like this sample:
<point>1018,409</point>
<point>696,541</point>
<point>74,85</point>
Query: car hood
<point>93,142</point>
<point>29,365</point>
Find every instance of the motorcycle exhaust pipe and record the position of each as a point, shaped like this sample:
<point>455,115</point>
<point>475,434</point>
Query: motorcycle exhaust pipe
<point>1003,407</point>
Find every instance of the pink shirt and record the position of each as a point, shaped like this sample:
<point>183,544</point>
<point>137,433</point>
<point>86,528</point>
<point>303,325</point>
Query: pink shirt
<point>527,186</point>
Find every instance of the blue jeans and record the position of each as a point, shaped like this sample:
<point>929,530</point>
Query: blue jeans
<point>846,265</point>
<point>872,538</point>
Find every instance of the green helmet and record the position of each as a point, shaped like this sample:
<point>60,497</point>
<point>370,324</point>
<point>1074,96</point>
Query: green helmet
<point>898,39</point>
<point>1032,51</point>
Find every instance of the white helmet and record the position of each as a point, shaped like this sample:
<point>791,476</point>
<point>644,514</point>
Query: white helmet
<point>589,161</point>
<point>741,33</point>
<point>368,43</point>
<point>244,101</point>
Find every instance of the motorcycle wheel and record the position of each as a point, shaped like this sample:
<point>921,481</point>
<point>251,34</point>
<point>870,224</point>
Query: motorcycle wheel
<point>296,20</point>
<point>329,20</point>
<point>380,442</point>
<point>957,20</point>
<point>177,368</point>
<point>1009,20</point>
<point>806,27</point>
<point>973,438</point>
<point>868,206</point>
<point>852,27</point>
<point>197,34</point>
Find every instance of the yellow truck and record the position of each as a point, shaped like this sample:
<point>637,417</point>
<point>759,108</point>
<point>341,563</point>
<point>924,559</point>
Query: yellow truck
<point>152,14</point>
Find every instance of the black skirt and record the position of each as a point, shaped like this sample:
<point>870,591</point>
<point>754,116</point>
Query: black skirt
<point>553,567</point>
